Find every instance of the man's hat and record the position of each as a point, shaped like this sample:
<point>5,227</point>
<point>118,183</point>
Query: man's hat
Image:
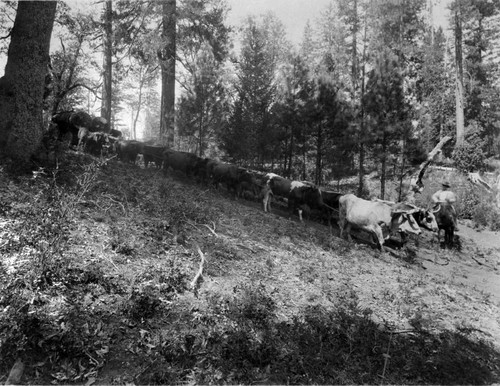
<point>446,184</point>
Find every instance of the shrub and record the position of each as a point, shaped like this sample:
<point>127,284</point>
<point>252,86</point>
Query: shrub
<point>467,204</point>
<point>469,156</point>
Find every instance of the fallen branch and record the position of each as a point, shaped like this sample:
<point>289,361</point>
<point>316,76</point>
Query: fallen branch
<point>211,230</point>
<point>476,179</point>
<point>205,225</point>
<point>198,279</point>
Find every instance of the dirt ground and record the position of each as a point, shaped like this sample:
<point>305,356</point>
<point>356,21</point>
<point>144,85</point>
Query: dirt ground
<point>444,288</point>
<point>299,265</point>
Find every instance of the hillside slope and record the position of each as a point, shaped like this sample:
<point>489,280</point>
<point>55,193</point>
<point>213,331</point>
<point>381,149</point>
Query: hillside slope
<point>97,264</point>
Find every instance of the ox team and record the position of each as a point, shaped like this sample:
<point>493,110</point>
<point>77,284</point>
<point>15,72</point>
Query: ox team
<point>380,219</point>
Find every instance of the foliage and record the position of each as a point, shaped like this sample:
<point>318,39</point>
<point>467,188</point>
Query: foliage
<point>251,133</point>
<point>100,304</point>
<point>203,109</point>
<point>387,110</point>
<point>344,346</point>
<point>470,156</point>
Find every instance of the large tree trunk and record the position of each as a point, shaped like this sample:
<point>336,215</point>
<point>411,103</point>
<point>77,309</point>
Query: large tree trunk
<point>459,90</point>
<point>361,132</point>
<point>22,86</point>
<point>108,64</point>
<point>167,60</point>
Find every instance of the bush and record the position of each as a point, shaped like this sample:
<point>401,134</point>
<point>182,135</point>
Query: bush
<point>480,209</point>
<point>469,156</point>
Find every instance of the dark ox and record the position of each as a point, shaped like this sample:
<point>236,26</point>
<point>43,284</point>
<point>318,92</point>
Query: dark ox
<point>426,219</point>
<point>446,219</point>
<point>251,183</point>
<point>180,161</point>
<point>92,143</point>
<point>236,179</point>
<point>304,194</point>
<point>69,124</point>
<point>331,204</point>
<point>375,218</point>
<point>127,151</point>
<point>153,154</point>
<point>201,169</point>
<point>99,124</point>
<point>299,194</point>
<point>274,185</point>
<point>247,184</point>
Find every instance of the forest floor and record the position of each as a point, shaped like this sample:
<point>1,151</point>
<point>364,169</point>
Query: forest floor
<point>111,297</point>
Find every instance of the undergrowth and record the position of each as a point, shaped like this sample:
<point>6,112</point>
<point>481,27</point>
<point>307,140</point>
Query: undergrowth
<point>62,310</point>
<point>240,340</point>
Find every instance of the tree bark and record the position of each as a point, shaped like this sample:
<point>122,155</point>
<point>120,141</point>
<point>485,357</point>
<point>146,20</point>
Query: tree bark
<point>167,59</point>
<point>361,132</point>
<point>459,73</point>
<point>383,166</point>
<point>319,155</point>
<point>22,86</point>
<point>108,63</point>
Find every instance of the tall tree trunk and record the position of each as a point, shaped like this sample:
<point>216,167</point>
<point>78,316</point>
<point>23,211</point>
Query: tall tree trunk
<point>431,17</point>
<point>200,131</point>
<point>22,86</point>
<point>304,162</point>
<point>108,64</point>
<point>383,167</point>
<point>319,155</point>
<point>361,132</point>
<point>167,60</point>
<point>459,73</point>
<point>354,48</point>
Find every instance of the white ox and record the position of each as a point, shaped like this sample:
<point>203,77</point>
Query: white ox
<point>374,217</point>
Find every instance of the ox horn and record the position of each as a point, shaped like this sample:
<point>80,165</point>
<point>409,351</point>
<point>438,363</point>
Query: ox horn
<point>436,208</point>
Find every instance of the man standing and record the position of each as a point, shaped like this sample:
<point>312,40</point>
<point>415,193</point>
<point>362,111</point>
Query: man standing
<point>445,196</point>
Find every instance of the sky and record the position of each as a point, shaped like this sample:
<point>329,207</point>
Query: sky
<point>294,14</point>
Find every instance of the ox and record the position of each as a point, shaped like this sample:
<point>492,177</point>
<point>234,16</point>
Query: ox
<point>180,161</point>
<point>92,143</point>
<point>299,194</point>
<point>247,184</point>
<point>127,151</point>
<point>99,124</point>
<point>203,169</point>
<point>331,203</point>
<point>153,154</point>
<point>274,185</point>
<point>374,217</point>
<point>251,183</point>
<point>446,220</point>
<point>69,124</point>
<point>304,194</point>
